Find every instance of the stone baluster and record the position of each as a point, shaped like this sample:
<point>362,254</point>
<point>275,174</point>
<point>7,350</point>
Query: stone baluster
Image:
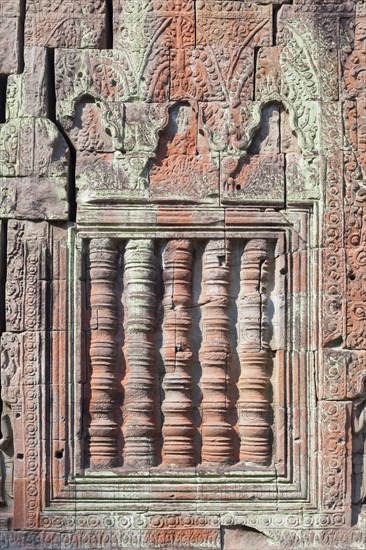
<point>140,285</point>
<point>178,429</point>
<point>215,354</point>
<point>254,354</point>
<point>105,397</point>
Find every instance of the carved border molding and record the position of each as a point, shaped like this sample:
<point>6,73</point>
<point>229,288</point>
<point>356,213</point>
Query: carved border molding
<point>239,488</point>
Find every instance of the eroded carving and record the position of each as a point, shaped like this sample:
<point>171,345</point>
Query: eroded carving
<point>139,410</point>
<point>359,452</point>
<point>215,354</point>
<point>178,428</point>
<point>183,154</point>
<point>105,395</point>
<point>11,374</point>
<point>255,355</point>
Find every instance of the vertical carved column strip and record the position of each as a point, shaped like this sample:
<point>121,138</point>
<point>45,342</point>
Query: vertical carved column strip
<point>354,115</point>
<point>24,364</point>
<point>254,354</point>
<point>178,426</point>
<point>60,455</point>
<point>336,448</point>
<point>215,354</point>
<point>140,383</point>
<point>104,399</point>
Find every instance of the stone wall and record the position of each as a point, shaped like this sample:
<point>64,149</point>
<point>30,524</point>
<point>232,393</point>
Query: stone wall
<point>182,274</point>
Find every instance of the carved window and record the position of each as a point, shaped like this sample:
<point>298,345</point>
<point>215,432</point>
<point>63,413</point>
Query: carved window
<point>183,336</point>
<point>182,258</point>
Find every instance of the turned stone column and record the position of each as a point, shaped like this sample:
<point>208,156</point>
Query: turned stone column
<point>254,354</point>
<point>215,354</point>
<point>178,429</point>
<point>140,302</point>
<point>105,397</point>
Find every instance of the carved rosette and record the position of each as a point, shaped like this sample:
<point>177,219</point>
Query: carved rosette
<point>354,112</point>
<point>104,400</point>
<point>337,454</point>
<point>254,354</point>
<point>334,283</point>
<point>140,283</point>
<point>178,429</point>
<point>215,354</point>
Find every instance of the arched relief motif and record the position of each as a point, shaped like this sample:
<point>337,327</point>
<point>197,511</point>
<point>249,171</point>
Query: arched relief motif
<point>218,84</point>
<point>141,149</point>
<point>266,164</point>
<point>259,174</point>
<point>289,76</point>
<point>88,133</point>
<point>95,129</point>
<point>114,142</point>
<point>106,76</point>
<point>299,145</point>
<point>293,75</point>
<point>183,156</point>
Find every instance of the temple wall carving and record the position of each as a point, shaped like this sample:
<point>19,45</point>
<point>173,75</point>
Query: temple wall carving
<point>187,416</point>
<point>182,274</point>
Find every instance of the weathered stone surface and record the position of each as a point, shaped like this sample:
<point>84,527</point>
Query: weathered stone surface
<point>65,24</point>
<point>182,282</point>
<point>183,154</point>
<point>226,23</point>
<point>34,198</point>
<point>11,24</point>
<point>33,170</point>
<point>143,27</point>
<point>245,538</point>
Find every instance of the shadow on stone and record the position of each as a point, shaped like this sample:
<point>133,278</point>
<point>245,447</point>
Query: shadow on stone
<point>244,538</point>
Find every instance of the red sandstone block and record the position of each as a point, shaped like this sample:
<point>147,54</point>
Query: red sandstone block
<point>257,178</point>
<point>212,74</point>
<point>223,24</point>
